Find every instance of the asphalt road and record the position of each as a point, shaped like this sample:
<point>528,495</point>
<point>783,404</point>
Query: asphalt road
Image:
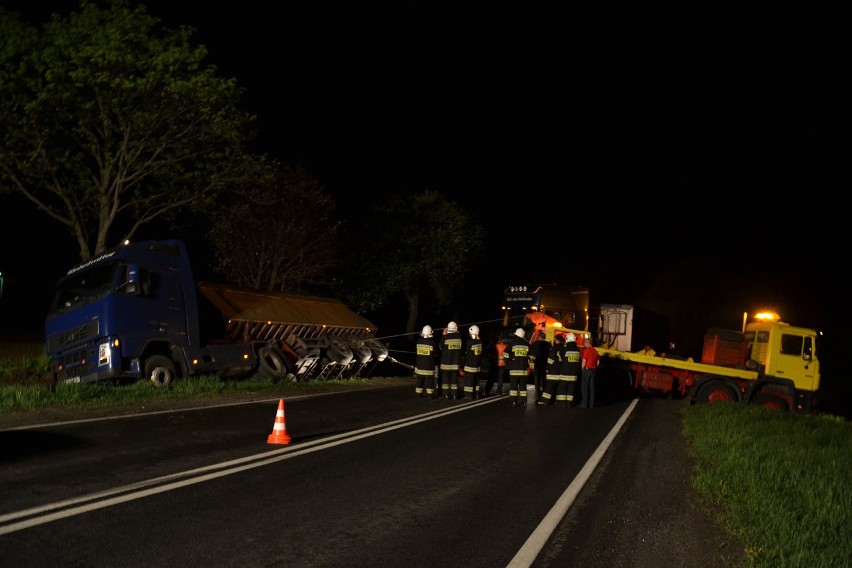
<point>639,509</point>
<point>467,488</point>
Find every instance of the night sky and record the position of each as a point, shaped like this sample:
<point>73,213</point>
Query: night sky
<point>695,155</point>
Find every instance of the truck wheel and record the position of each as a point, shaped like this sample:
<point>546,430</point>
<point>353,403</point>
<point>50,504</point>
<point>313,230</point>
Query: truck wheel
<point>160,370</point>
<point>715,391</point>
<point>772,401</point>
<point>272,363</point>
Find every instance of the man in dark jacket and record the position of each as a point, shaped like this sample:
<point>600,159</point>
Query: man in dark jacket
<point>538,359</point>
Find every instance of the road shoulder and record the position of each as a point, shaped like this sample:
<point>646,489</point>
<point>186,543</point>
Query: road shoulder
<point>639,509</point>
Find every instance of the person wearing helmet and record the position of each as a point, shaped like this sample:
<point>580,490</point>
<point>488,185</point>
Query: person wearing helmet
<point>450,346</point>
<point>472,362</point>
<point>565,373</point>
<point>516,355</point>
<point>425,363</point>
<point>555,359</point>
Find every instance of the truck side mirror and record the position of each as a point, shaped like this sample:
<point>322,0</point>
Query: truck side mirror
<point>132,279</point>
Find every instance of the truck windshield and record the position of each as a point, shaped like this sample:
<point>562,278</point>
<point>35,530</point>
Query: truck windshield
<point>84,286</point>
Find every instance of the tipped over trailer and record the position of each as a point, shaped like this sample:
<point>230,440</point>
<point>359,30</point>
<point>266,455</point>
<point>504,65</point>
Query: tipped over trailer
<point>305,337</point>
<point>135,312</point>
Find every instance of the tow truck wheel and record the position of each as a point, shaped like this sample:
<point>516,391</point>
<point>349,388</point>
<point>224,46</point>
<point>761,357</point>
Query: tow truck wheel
<point>715,391</point>
<point>160,370</point>
<point>772,401</point>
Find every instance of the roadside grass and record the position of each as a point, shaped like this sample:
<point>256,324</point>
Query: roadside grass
<point>783,481</point>
<point>780,483</point>
<point>25,385</point>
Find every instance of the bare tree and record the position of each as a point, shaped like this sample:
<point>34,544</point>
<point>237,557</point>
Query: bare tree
<point>277,232</point>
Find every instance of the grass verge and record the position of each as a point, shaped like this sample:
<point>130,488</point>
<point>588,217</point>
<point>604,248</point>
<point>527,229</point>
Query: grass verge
<point>783,481</point>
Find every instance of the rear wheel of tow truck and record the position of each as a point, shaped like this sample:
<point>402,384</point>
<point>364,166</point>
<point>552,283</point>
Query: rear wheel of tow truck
<point>771,401</point>
<point>160,370</point>
<point>715,391</point>
<point>272,364</point>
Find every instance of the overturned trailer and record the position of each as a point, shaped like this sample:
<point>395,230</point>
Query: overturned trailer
<point>306,337</point>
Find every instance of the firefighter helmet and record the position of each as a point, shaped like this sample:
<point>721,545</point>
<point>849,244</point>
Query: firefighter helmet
<point>520,332</point>
<point>427,331</point>
<point>452,327</point>
<point>570,337</point>
<point>474,331</point>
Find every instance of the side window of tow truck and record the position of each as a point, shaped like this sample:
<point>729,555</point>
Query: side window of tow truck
<point>792,344</point>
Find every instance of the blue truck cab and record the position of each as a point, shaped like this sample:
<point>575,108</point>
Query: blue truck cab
<point>132,312</point>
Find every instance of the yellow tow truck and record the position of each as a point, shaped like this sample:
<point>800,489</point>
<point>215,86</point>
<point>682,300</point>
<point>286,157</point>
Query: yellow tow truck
<point>769,363</point>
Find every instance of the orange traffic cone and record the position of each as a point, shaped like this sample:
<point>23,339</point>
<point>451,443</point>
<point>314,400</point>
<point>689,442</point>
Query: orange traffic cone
<point>279,430</point>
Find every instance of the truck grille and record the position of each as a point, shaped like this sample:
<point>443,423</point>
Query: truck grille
<point>85,332</point>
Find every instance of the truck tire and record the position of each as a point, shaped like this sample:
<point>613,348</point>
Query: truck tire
<point>160,370</point>
<point>272,364</point>
<point>772,401</point>
<point>715,391</point>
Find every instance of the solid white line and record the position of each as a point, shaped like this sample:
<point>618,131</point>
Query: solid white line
<point>155,412</point>
<point>532,547</point>
<point>146,488</point>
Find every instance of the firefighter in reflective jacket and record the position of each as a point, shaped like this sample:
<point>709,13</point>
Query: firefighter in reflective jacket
<point>450,345</point>
<point>569,372</point>
<point>426,363</point>
<point>555,367</point>
<point>472,362</point>
<point>516,355</point>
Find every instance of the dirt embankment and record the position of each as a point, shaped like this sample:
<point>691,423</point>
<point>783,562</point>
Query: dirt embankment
<point>17,348</point>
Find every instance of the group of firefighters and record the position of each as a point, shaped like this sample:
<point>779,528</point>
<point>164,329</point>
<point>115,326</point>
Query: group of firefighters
<point>450,366</point>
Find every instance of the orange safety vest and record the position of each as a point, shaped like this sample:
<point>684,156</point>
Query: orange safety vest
<point>500,347</point>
